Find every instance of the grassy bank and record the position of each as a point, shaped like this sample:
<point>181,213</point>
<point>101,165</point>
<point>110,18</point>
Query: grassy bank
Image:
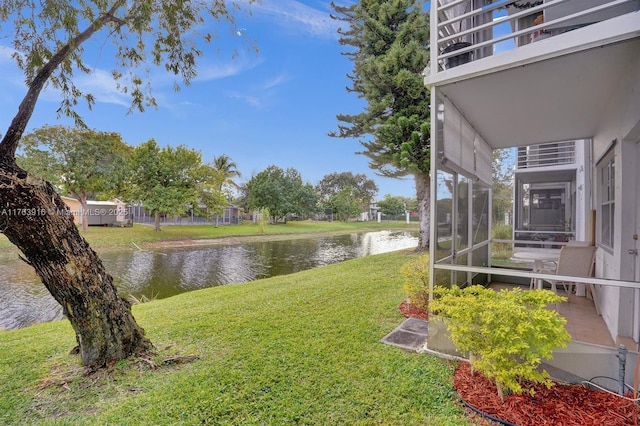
<point>142,235</point>
<point>298,349</point>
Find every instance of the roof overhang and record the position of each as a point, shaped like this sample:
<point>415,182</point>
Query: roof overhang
<point>552,90</point>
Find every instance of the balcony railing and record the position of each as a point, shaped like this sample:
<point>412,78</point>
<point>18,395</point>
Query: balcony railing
<point>548,154</point>
<point>467,30</point>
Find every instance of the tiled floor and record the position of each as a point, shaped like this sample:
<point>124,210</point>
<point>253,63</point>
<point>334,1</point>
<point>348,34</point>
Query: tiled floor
<point>583,322</point>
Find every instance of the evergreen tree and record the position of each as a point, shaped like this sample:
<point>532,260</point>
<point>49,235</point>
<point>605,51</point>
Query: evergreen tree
<point>389,52</point>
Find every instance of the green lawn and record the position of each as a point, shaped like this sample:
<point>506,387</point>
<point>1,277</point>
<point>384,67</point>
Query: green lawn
<point>298,349</point>
<point>116,238</point>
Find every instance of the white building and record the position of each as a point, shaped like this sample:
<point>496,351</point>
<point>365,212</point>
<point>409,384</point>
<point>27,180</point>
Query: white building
<point>551,192</point>
<point>538,74</point>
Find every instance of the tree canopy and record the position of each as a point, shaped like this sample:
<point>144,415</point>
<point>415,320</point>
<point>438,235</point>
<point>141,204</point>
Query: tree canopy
<point>502,174</point>
<point>392,205</point>
<point>361,189</point>
<point>81,162</point>
<point>48,42</point>
<point>388,41</point>
<point>229,170</point>
<point>345,203</point>
<point>281,192</point>
<point>172,180</point>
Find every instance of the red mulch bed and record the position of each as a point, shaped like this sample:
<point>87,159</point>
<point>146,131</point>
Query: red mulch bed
<point>562,405</point>
<point>411,311</point>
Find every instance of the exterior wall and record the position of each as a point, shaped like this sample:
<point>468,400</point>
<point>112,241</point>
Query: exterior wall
<point>583,195</point>
<point>99,212</point>
<point>579,191</point>
<point>620,122</point>
<point>74,208</point>
<point>584,83</point>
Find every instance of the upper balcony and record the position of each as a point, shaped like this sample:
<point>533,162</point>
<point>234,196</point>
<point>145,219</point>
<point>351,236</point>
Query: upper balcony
<point>546,155</point>
<point>530,72</point>
<point>473,37</point>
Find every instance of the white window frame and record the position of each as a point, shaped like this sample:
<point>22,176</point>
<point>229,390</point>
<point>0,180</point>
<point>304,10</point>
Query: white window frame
<point>607,198</point>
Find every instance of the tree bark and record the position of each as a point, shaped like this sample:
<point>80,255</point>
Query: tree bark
<point>423,195</point>
<point>84,212</point>
<point>36,220</point>
<point>156,221</point>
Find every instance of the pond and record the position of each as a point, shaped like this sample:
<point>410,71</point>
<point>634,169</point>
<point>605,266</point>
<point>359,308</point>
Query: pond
<point>166,272</point>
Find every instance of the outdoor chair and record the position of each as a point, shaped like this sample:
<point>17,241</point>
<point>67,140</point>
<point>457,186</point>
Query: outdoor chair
<point>575,243</point>
<point>576,261</point>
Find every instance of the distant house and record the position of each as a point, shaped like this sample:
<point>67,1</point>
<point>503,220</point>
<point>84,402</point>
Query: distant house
<point>74,207</point>
<point>230,216</point>
<point>98,213</point>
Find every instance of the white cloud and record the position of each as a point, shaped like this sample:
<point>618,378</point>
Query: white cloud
<point>208,71</point>
<point>6,54</point>
<point>276,81</point>
<point>101,85</point>
<point>262,95</point>
<point>298,17</point>
<point>251,100</point>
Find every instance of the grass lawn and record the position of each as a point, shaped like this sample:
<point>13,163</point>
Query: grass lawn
<point>297,349</point>
<point>118,238</point>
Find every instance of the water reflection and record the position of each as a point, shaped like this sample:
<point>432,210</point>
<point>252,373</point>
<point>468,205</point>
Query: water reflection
<point>160,274</point>
<point>23,299</point>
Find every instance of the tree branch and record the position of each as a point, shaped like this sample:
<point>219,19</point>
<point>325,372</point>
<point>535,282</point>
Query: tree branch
<point>11,139</point>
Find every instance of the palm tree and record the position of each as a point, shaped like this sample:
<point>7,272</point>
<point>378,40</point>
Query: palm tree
<point>229,169</point>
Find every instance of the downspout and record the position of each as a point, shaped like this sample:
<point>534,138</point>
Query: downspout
<point>622,362</point>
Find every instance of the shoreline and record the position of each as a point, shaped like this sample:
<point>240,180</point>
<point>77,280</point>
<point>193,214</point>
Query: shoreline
<point>204,242</point>
<point>232,240</point>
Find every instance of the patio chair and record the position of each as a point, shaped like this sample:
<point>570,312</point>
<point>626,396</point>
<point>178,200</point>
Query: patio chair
<point>577,261</point>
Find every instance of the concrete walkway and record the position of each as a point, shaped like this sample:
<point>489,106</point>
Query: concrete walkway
<point>410,335</point>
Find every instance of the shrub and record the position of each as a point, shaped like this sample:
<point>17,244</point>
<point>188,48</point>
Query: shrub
<point>508,332</point>
<point>416,282</point>
<point>500,231</point>
<point>264,219</point>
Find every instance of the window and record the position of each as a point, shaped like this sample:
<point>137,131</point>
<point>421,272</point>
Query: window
<point>606,171</point>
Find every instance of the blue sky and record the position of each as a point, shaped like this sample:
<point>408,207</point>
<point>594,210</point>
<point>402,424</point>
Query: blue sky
<point>273,107</point>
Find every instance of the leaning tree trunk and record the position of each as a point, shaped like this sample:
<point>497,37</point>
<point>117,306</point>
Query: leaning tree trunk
<point>423,193</point>
<point>36,220</point>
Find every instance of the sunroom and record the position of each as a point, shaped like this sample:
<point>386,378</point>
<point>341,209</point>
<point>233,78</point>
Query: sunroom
<point>574,87</point>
